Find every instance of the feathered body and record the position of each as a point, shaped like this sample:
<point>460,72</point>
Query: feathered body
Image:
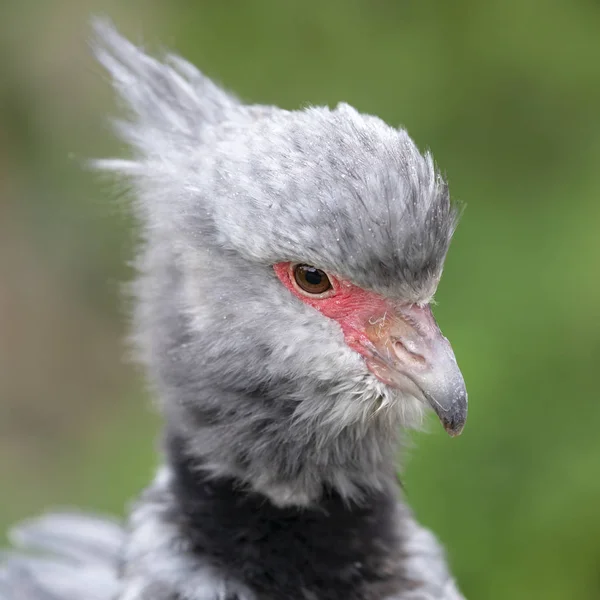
<point>279,476</point>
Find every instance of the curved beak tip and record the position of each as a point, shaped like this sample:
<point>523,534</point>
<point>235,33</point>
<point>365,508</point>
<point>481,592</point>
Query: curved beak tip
<point>454,428</point>
<point>455,418</point>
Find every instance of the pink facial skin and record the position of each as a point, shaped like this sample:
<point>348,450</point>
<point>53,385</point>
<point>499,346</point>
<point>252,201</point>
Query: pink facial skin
<point>354,308</point>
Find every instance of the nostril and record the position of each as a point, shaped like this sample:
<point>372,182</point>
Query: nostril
<point>407,349</point>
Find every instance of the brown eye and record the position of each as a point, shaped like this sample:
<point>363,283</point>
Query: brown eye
<point>311,280</point>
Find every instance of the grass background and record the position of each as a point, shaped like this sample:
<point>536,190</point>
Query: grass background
<point>505,93</point>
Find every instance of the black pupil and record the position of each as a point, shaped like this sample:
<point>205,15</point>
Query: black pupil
<point>313,276</point>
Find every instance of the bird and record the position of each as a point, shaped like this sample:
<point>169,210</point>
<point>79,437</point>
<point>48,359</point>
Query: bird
<point>285,273</point>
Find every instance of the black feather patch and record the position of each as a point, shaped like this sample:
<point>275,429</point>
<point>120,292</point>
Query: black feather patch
<point>335,551</point>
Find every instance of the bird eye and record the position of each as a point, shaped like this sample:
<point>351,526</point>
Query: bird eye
<point>311,280</point>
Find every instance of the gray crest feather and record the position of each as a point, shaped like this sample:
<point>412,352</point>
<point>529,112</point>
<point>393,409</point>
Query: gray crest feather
<point>170,99</point>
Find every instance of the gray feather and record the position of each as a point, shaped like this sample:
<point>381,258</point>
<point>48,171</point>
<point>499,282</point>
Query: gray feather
<point>62,556</point>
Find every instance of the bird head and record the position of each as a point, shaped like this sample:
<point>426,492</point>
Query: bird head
<point>288,264</point>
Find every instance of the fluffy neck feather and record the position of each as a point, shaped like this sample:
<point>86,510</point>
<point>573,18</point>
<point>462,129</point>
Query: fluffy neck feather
<point>291,457</point>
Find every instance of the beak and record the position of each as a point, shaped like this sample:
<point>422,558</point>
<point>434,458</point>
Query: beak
<point>407,350</point>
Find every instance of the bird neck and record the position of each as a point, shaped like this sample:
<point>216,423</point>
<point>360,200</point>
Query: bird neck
<point>290,463</point>
<point>334,549</point>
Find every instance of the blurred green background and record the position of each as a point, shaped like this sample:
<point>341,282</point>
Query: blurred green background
<point>506,93</point>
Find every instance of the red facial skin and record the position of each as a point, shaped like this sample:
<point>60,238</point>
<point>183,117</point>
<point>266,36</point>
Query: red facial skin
<point>351,306</point>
